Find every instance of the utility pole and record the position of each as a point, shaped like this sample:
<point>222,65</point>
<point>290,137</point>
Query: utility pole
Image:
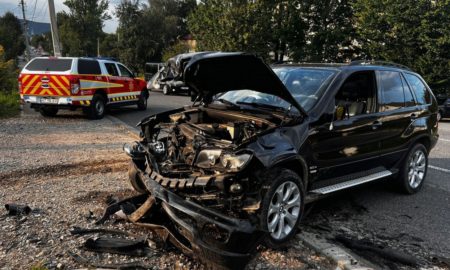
<point>25,33</point>
<point>98,47</point>
<point>54,28</point>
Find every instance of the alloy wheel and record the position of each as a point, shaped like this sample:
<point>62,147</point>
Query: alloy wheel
<point>284,210</point>
<point>416,168</point>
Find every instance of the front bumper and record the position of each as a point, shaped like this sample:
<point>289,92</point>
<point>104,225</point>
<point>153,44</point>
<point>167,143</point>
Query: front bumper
<point>213,237</point>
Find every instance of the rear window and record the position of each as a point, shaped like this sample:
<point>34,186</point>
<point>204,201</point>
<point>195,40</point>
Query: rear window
<point>49,64</point>
<point>86,66</point>
<point>419,88</point>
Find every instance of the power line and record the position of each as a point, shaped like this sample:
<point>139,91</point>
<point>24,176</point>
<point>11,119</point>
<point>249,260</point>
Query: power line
<point>34,10</point>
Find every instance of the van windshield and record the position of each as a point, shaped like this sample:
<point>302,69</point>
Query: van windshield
<point>49,64</point>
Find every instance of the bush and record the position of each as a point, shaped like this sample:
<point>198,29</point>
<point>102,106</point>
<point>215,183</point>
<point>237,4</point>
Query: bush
<point>9,104</point>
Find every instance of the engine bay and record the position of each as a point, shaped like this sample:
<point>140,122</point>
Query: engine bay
<point>201,141</point>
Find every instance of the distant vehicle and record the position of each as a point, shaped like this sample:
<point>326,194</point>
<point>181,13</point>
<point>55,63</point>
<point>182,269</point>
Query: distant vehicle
<point>153,74</point>
<point>53,83</point>
<point>444,106</point>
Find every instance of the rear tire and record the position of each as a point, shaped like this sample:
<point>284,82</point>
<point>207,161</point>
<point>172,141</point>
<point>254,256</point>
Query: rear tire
<point>282,207</point>
<point>414,170</point>
<point>97,108</point>
<point>48,111</point>
<point>142,102</point>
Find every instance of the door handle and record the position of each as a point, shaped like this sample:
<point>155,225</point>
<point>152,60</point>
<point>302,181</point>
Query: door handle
<point>376,124</point>
<point>413,116</point>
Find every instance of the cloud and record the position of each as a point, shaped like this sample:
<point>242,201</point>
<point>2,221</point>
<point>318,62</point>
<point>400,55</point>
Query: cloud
<point>39,8</point>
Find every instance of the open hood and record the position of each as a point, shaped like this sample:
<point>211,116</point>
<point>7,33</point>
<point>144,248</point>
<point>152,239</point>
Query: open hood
<point>213,73</point>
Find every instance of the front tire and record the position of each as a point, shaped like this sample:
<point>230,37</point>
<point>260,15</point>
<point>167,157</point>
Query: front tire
<point>282,208</point>
<point>48,111</point>
<point>414,170</point>
<point>97,108</point>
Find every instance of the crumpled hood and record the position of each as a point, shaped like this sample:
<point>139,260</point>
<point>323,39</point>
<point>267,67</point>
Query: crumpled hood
<point>213,73</point>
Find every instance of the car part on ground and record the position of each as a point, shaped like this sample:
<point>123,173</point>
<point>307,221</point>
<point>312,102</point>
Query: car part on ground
<point>17,209</point>
<point>239,165</point>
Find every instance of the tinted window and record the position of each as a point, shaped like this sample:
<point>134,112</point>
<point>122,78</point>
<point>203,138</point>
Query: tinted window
<point>305,85</point>
<point>419,88</point>
<point>124,71</point>
<point>88,67</point>
<point>111,68</point>
<point>392,96</point>
<point>409,98</point>
<point>51,64</point>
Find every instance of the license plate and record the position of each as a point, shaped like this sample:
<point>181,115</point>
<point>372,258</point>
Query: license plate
<point>49,100</point>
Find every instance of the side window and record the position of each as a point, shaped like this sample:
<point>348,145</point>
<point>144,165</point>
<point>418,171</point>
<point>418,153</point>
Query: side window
<point>392,94</point>
<point>124,71</point>
<point>409,98</point>
<point>86,66</point>
<point>419,88</point>
<point>112,69</point>
<point>357,96</point>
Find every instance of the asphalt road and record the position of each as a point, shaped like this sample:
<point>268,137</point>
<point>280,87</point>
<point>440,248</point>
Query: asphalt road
<point>419,224</point>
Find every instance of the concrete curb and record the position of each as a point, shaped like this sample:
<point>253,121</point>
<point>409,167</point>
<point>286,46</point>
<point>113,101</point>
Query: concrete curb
<point>343,258</point>
<point>130,129</point>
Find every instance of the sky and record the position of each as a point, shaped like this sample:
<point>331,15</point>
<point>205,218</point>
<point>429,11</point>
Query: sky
<point>37,10</point>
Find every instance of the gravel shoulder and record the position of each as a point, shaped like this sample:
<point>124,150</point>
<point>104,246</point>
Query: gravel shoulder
<point>65,168</point>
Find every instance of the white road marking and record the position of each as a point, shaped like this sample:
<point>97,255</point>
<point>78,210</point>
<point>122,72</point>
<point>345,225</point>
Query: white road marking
<point>445,140</point>
<point>439,168</point>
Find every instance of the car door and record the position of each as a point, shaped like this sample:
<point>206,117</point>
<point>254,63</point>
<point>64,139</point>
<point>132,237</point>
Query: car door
<point>127,77</point>
<point>350,144</point>
<point>399,111</point>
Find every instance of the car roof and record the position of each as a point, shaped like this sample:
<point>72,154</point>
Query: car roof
<point>356,65</point>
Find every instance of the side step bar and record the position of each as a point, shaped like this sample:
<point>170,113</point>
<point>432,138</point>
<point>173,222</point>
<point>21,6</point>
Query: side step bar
<point>352,183</point>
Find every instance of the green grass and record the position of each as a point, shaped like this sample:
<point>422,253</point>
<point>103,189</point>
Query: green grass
<point>9,104</point>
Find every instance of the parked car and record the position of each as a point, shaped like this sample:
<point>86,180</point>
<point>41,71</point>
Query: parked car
<point>53,83</point>
<point>444,106</point>
<point>238,167</point>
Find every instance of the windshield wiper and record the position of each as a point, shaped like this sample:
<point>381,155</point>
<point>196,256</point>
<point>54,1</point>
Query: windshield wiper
<point>227,102</point>
<point>262,105</point>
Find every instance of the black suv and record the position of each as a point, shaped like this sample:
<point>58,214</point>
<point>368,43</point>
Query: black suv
<point>238,166</point>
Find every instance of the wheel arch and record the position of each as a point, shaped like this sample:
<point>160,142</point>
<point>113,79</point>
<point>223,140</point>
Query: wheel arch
<point>423,139</point>
<point>103,93</point>
<point>296,164</point>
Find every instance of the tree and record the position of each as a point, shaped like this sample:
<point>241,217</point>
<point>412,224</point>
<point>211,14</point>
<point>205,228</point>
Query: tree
<point>44,40</point>
<point>109,46</point>
<point>145,31</point>
<point>410,32</point>
<point>82,26</point>
<point>11,36</point>
<point>8,74</point>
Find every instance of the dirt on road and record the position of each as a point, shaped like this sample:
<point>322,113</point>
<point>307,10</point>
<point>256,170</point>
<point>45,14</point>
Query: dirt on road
<point>65,169</point>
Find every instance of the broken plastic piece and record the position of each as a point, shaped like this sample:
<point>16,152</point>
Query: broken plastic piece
<point>17,209</point>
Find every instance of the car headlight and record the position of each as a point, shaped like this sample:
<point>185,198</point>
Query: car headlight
<point>207,158</point>
<point>234,162</point>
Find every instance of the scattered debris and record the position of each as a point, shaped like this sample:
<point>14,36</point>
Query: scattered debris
<point>137,248</point>
<point>17,209</point>
<point>84,261</point>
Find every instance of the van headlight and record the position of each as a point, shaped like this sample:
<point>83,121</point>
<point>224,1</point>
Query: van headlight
<point>235,162</point>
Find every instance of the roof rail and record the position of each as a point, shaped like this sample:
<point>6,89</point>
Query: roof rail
<point>310,64</point>
<point>378,63</point>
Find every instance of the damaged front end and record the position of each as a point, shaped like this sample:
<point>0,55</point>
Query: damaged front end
<point>192,161</point>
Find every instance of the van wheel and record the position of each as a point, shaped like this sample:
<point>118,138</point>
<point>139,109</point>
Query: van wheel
<point>48,111</point>
<point>97,108</point>
<point>414,170</point>
<point>142,102</point>
<point>439,116</point>
<point>166,90</point>
<point>282,208</point>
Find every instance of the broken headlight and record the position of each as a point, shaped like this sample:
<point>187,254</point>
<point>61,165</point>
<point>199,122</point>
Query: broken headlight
<point>208,158</point>
<point>234,162</point>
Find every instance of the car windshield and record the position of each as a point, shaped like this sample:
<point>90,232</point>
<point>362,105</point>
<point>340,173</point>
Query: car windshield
<point>241,98</point>
<point>306,85</point>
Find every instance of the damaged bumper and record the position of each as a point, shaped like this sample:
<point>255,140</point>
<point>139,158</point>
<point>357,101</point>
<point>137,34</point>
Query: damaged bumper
<point>203,233</point>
